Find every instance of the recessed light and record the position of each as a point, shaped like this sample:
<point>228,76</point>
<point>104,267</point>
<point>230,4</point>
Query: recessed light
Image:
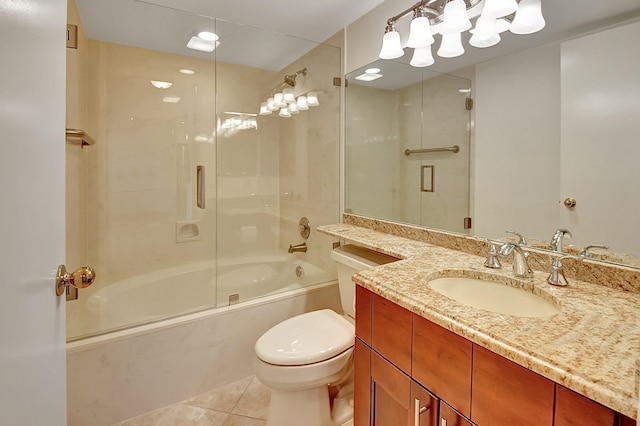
<point>368,77</point>
<point>196,43</point>
<point>372,71</point>
<point>187,71</point>
<point>208,36</point>
<point>161,84</point>
<point>171,99</point>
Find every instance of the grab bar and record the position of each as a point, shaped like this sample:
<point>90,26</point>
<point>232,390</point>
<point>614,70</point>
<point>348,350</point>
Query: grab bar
<point>455,149</point>
<point>200,191</point>
<point>75,135</point>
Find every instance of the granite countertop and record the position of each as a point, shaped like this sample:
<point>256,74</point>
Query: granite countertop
<point>591,346</point>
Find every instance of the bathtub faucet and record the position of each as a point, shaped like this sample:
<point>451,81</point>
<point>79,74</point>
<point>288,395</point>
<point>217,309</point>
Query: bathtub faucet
<point>299,248</point>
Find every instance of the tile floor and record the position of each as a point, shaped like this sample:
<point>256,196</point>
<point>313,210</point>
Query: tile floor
<point>241,403</point>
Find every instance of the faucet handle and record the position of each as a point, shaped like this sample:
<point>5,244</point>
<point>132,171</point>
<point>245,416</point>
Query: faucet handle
<point>521,240</point>
<point>557,277</point>
<point>586,253</point>
<point>492,257</point>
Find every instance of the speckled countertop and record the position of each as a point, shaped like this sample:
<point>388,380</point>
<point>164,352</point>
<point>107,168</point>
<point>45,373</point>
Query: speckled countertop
<point>591,346</point>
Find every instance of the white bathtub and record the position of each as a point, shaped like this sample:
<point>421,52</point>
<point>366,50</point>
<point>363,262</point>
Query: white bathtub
<point>121,374</point>
<point>186,289</point>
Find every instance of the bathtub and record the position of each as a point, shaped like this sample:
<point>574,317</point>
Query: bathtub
<point>170,356</point>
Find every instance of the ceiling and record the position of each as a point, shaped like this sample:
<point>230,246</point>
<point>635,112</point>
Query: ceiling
<point>168,24</point>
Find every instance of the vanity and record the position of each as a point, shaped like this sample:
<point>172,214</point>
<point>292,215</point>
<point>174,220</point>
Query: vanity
<point>423,358</point>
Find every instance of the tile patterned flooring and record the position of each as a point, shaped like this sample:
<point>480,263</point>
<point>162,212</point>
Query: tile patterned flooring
<point>241,403</point>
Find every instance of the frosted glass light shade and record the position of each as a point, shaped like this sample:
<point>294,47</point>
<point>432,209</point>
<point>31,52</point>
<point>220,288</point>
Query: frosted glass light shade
<point>451,46</point>
<point>455,18</point>
<point>287,95</point>
<point>420,33</point>
<point>293,108</point>
<point>302,103</point>
<point>284,112</point>
<point>499,8</point>
<point>264,109</point>
<point>486,28</point>
<point>528,18</point>
<point>492,41</point>
<point>422,57</point>
<point>271,105</point>
<point>278,100</point>
<point>391,46</point>
<point>312,99</point>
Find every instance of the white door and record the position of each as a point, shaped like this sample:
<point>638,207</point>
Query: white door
<point>32,122</point>
<point>600,149</point>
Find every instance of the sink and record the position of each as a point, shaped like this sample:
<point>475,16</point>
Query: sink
<point>494,297</point>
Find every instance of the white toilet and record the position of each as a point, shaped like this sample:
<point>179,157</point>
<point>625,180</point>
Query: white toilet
<point>302,357</point>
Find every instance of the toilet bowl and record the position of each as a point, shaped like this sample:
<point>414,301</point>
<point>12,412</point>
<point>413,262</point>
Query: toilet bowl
<point>301,358</point>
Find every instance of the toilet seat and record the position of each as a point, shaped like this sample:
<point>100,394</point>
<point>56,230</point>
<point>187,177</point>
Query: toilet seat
<point>306,339</point>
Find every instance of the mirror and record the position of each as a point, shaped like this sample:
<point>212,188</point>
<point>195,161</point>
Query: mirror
<point>547,126</point>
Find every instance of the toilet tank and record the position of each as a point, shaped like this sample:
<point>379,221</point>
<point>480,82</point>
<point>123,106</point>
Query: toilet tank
<point>351,259</point>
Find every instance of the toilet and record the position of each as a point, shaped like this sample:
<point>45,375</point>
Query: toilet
<point>307,361</point>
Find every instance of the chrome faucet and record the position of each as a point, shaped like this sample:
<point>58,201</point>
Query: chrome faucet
<point>299,248</point>
<point>492,257</point>
<point>586,253</point>
<point>521,240</point>
<point>521,267</point>
<point>557,273</point>
<point>557,239</point>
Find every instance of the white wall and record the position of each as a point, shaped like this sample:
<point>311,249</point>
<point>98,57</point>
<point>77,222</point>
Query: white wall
<point>517,151</point>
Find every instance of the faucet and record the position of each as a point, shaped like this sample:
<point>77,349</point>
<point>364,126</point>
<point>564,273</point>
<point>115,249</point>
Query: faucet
<point>299,248</point>
<point>557,273</point>
<point>521,267</point>
<point>521,240</point>
<point>557,239</point>
<point>492,257</point>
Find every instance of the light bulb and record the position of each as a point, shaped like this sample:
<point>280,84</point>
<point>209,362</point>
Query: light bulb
<point>451,46</point>
<point>312,99</point>
<point>391,46</point>
<point>528,18</point>
<point>302,103</point>
<point>499,8</point>
<point>455,18</point>
<point>420,32</point>
<point>422,57</point>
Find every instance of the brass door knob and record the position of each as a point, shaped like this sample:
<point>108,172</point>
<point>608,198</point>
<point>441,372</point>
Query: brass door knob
<point>570,202</point>
<point>80,278</point>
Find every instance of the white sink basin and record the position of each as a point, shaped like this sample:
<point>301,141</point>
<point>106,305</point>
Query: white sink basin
<point>494,297</point>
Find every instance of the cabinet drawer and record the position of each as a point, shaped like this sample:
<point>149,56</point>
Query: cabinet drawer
<point>442,363</point>
<point>573,409</point>
<point>391,332</point>
<point>506,394</point>
<point>363,314</point>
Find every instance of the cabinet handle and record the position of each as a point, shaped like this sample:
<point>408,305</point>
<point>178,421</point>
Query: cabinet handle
<point>417,410</point>
<point>443,422</point>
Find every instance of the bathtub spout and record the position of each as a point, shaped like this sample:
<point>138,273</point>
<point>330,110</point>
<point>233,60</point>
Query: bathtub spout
<point>299,248</point>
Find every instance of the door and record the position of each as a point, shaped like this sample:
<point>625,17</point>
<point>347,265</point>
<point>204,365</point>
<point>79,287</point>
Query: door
<point>32,123</point>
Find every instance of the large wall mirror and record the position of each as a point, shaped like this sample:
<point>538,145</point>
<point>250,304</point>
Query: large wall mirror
<point>550,123</point>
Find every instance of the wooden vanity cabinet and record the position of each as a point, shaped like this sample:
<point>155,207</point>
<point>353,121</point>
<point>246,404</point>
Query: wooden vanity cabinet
<point>391,326</point>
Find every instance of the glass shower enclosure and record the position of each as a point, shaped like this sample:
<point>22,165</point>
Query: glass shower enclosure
<point>191,195</point>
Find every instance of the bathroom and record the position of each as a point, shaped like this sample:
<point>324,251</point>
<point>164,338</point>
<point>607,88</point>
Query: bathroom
<point>117,253</point>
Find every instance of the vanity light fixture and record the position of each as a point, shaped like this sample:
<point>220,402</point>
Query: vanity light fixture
<point>288,98</point>
<point>450,18</point>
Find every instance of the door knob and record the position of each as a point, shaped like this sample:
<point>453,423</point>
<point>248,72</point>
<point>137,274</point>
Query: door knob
<point>80,278</point>
<point>570,202</point>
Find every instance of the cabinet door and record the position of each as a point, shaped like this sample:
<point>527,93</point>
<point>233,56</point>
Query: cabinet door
<point>506,394</point>
<point>573,409</point>
<point>442,363</point>
<point>391,393</point>
<point>391,332</point>
<point>450,417</point>
<point>363,314</point>
<point>424,406</point>
<point>362,385</point>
